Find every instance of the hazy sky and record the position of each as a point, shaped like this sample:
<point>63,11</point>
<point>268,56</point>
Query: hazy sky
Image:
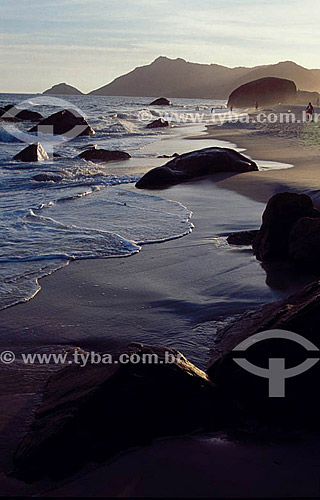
<point>87,43</point>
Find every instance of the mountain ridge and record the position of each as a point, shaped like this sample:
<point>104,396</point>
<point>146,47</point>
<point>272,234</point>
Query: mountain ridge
<point>176,78</point>
<point>62,89</point>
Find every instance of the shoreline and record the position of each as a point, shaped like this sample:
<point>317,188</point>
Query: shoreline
<point>163,284</point>
<point>243,184</point>
<point>301,177</point>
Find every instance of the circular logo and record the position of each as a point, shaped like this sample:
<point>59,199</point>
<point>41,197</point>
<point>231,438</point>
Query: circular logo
<point>277,373</point>
<point>7,357</point>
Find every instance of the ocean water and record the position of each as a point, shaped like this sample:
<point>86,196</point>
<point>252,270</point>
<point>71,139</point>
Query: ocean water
<point>45,225</point>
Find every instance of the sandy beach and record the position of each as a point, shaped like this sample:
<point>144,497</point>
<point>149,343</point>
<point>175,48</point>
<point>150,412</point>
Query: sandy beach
<point>293,144</point>
<point>169,288</point>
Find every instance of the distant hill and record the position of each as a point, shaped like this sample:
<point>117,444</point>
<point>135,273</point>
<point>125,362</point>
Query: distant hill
<point>304,97</point>
<point>63,89</point>
<point>179,78</point>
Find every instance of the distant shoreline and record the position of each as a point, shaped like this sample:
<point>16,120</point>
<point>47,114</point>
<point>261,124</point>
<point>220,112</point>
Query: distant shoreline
<point>268,145</point>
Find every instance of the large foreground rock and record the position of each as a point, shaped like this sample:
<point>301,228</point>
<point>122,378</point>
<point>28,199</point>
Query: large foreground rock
<point>34,152</point>
<point>282,212</point>
<point>265,91</point>
<point>304,244</point>
<point>301,405</point>
<point>65,122</point>
<point>162,101</point>
<point>97,155</point>
<point>196,164</point>
<point>91,413</point>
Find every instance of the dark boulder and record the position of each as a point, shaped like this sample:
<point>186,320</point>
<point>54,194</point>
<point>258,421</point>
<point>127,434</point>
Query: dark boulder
<point>2,110</point>
<point>196,164</point>
<point>8,107</point>
<point>299,314</point>
<point>282,212</point>
<point>91,413</point>
<point>5,116</point>
<point>12,113</point>
<point>66,122</point>
<point>160,123</point>
<point>34,152</point>
<point>31,116</point>
<point>47,178</point>
<point>304,244</point>
<point>160,178</point>
<point>95,154</point>
<point>265,91</point>
<point>242,238</point>
<point>162,101</point>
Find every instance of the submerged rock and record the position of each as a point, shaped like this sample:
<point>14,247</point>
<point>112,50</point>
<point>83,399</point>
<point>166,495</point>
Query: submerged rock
<point>91,413</point>
<point>47,178</point>
<point>66,122</point>
<point>95,154</point>
<point>160,123</point>
<point>301,405</point>
<point>282,212</point>
<point>87,146</point>
<point>34,152</point>
<point>162,101</point>
<point>175,155</point>
<point>242,238</point>
<point>196,164</point>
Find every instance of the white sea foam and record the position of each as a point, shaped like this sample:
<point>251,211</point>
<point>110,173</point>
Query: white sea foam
<point>44,225</point>
<point>5,136</point>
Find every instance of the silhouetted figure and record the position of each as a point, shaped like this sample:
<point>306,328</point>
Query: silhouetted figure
<point>257,105</point>
<point>309,111</point>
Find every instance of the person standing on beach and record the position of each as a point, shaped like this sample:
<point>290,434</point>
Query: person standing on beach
<point>309,112</point>
<point>256,105</point>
